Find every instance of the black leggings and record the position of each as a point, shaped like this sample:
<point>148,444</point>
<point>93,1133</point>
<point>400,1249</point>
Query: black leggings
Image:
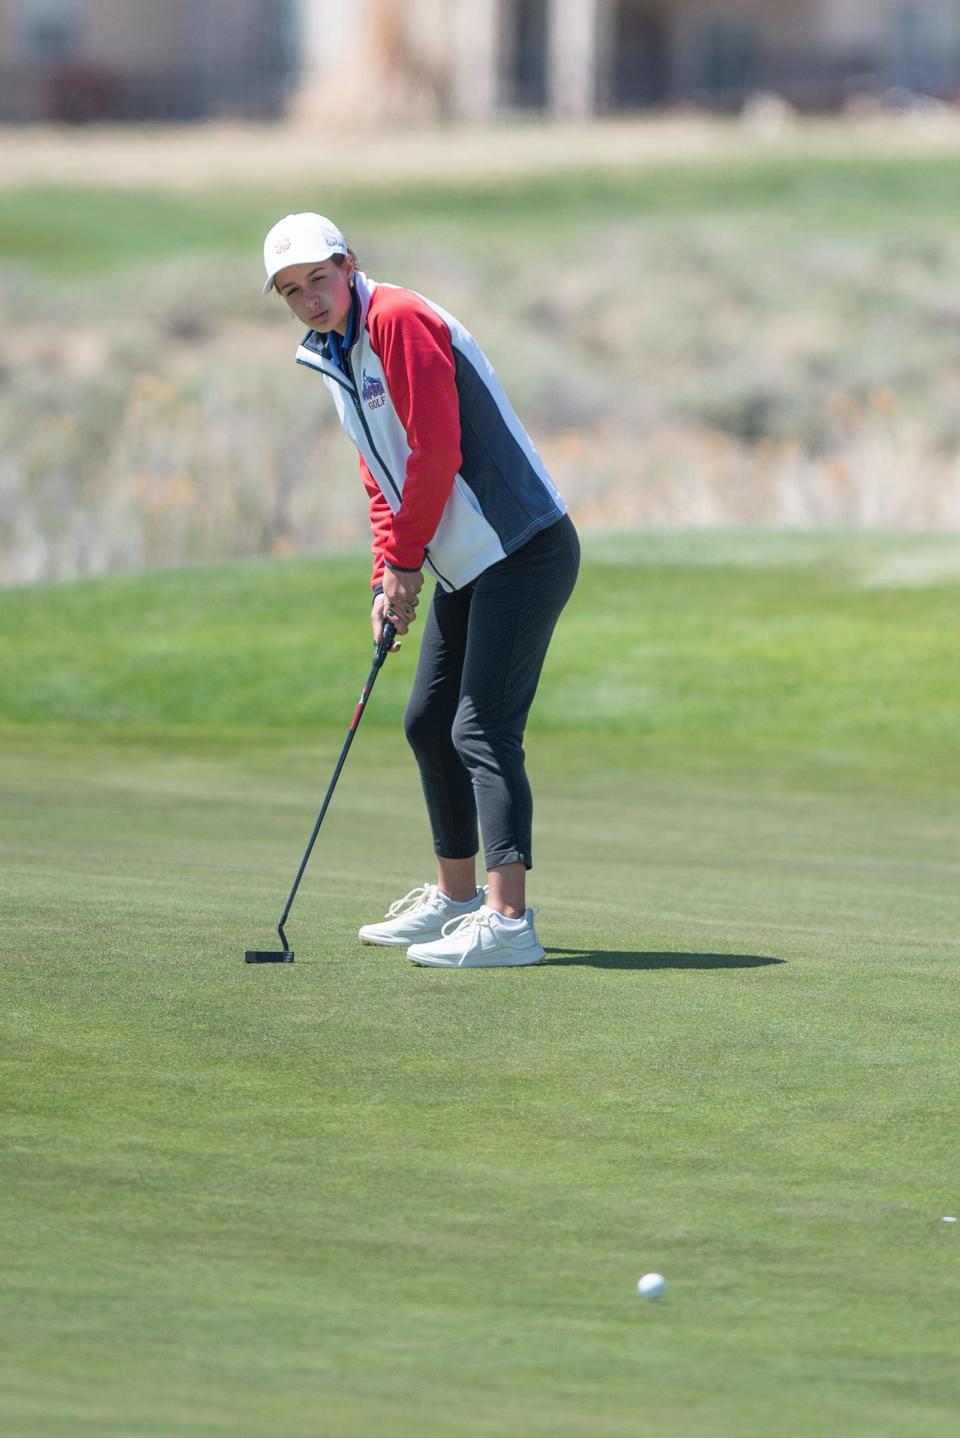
<point>480,662</point>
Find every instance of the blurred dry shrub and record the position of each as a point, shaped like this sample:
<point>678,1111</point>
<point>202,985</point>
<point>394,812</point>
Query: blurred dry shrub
<point>133,438</point>
<point>395,76</point>
<point>409,87</point>
<point>684,379</point>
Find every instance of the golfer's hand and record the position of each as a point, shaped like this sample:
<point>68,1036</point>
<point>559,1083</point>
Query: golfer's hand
<point>377,615</point>
<point>401,593</point>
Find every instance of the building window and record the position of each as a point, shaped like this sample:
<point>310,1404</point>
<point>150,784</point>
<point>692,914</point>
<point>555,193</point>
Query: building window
<point>50,29</point>
<point>727,55</point>
<point>641,55</point>
<point>526,54</point>
<point>924,45</point>
<point>279,37</point>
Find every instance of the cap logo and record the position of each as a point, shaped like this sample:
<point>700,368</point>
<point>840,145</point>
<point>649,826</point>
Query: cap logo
<point>283,244</point>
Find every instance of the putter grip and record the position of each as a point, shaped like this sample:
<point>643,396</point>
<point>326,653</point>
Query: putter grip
<point>386,642</point>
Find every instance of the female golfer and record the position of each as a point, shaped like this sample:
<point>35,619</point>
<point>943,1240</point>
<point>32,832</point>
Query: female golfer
<point>458,491</point>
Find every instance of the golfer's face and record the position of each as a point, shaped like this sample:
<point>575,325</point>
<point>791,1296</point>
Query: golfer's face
<point>319,295</point>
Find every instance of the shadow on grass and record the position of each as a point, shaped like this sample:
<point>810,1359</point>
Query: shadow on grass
<point>622,959</point>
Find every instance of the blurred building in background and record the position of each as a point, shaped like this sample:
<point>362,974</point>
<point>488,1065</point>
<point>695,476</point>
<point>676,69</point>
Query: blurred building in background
<point>473,59</point>
<point>481,58</point>
<point>81,60</point>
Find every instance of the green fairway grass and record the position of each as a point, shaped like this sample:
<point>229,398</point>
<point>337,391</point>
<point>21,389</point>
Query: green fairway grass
<point>824,190</point>
<point>714,639</point>
<point>357,1198</point>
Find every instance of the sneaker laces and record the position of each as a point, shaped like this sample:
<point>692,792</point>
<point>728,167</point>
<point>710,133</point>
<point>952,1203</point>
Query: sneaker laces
<point>468,929</point>
<point>421,898</point>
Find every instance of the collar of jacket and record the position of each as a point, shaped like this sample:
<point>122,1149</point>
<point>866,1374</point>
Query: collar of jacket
<point>314,350</point>
<point>339,346</point>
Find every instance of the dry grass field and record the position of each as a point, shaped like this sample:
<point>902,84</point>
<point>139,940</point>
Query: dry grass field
<point>195,157</point>
<point>702,323</point>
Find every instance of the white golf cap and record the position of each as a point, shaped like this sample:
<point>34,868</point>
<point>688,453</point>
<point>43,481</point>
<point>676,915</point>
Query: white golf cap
<point>300,240</point>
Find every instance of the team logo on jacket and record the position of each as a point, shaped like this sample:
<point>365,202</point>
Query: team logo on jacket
<point>373,392</point>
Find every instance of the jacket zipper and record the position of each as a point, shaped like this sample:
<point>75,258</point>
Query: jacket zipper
<point>366,429</point>
<point>354,394</point>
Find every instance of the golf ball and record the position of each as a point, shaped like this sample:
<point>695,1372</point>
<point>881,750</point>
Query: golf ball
<point>651,1285</point>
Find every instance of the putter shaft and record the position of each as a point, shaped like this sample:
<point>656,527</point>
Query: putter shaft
<point>383,649</point>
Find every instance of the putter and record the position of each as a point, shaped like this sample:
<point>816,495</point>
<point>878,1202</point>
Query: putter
<point>285,954</point>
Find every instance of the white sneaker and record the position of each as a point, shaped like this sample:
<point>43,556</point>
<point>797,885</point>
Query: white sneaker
<point>418,917</point>
<point>480,941</point>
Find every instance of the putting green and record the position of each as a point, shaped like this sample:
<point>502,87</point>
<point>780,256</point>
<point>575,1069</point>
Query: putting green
<point>351,1196</point>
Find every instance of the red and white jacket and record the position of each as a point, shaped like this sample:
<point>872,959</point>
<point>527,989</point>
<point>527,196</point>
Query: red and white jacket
<point>454,480</point>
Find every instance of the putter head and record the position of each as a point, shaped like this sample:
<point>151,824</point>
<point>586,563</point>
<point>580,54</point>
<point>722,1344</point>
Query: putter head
<point>269,956</point>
